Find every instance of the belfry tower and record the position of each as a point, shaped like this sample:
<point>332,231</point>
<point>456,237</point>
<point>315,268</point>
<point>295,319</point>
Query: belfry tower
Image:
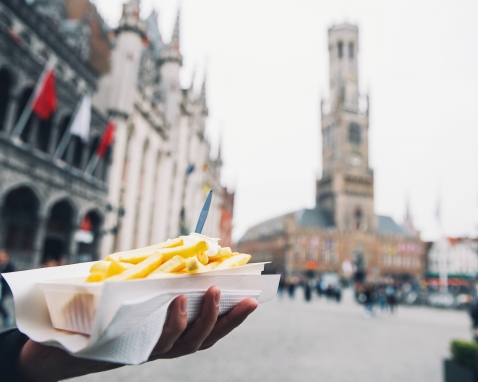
<point>346,187</point>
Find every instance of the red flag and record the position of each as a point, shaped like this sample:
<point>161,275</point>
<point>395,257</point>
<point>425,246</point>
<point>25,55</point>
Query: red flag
<point>107,139</point>
<point>44,103</point>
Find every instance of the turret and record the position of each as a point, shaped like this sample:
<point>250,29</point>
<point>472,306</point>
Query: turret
<point>126,58</point>
<point>170,61</point>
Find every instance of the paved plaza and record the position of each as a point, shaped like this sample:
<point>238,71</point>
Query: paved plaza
<point>291,340</point>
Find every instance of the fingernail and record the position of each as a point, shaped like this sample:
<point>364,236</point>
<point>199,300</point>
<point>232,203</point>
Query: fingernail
<point>217,297</point>
<point>183,305</point>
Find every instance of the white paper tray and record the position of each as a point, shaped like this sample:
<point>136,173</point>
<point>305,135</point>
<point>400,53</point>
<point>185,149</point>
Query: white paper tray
<point>129,315</point>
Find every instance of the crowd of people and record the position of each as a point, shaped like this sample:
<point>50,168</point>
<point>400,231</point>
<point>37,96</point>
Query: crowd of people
<point>380,295</point>
<point>322,287</point>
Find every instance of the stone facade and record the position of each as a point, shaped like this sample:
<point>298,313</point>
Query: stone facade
<point>45,201</point>
<point>152,182</point>
<point>342,231</point>
<point>162,169</point>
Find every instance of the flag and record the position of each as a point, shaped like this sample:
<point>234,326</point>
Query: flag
<point>190,169</point>
<point>81,124</point>
<point>44,102</point>
<point>107,139</point>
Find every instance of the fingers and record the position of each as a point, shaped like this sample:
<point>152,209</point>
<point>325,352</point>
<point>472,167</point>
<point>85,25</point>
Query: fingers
<point>195,335</point>
<point>230,321</point>
<point>176,323</point>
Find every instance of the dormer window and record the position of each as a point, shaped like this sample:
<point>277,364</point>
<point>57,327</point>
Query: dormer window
<point>340,46</point>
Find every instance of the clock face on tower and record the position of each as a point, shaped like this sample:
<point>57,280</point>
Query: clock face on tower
<point>355,160</point>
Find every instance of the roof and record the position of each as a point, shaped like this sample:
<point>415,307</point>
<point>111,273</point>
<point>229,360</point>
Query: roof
<point>316,217</point>
<point>268,228</point>
<point>388,226</point>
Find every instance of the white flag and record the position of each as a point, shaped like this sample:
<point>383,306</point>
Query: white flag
<point>81,124</point>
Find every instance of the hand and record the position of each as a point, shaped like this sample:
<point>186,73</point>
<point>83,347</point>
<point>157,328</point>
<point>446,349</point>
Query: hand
<point>46,363</point>
<point>178,340</point>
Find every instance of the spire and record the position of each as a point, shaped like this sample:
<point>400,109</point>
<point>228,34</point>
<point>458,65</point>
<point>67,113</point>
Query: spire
<point>175,36</point>
<point>130,19</point>
<point>193,77</point>
<point>171,51</point>
<point>202,97</point>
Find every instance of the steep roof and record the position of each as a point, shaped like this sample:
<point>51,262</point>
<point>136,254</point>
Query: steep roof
<point>388,226</point>
<point>316,217</point>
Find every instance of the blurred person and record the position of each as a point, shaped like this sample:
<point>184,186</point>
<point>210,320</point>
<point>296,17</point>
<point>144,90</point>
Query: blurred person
<point>391,297</point>
<point>291,284</point>
<point>368,297</point>
<point>473,311</point>
<point>307,291</point>
<point>50,262</point>
<point>382,298</point>
<point>5,267</point>
<point>22,359</point>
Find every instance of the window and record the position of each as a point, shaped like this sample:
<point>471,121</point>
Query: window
<point>340,46</point>
<point>354,133</point>
<point>351,50</point>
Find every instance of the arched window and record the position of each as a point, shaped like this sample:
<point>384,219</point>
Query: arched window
<point>5,86</point>
<point>59,229</point>
<point>355,133</point>
<point>25,97</point>
<point>20,219</point>
<point>340,47</point>
<point>351,50</point>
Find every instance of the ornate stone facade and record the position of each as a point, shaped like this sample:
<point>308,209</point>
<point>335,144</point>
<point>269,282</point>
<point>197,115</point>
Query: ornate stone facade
<point>342,229</point>
<point>45,202</point>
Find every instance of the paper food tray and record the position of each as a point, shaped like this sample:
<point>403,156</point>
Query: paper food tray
<point>72,303</point>
<point>126,318</point>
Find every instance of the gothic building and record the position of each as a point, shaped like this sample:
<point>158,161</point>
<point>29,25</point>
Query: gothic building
<point>161,169</point>
<point>343,228</point>
<point>150,185</point>
<point>44,202</point>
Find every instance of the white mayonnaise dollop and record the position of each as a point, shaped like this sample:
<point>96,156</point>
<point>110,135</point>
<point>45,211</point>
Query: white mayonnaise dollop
<point>212,244</point>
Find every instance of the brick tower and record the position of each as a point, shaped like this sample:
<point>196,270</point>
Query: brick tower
<point>346,187</point>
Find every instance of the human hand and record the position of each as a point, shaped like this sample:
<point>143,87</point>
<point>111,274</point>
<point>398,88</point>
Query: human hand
<point>38,362</point>
<point>177,339</point>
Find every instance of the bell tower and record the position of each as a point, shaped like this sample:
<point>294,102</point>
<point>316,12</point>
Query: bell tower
<point>346,187</point>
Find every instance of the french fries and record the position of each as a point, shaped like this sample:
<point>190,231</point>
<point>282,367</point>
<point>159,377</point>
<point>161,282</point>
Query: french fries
<point>184,255</point>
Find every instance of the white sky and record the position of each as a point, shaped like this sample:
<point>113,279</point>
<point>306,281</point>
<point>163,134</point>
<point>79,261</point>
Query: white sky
<point>267,66</point>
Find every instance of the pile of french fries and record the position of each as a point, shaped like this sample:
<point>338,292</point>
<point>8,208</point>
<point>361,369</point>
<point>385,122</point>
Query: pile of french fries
<point>176,256</point>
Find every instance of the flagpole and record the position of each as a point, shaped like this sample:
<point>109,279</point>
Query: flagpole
<point>92,164</point>
<point>22,121</point>
<point>67,135</point>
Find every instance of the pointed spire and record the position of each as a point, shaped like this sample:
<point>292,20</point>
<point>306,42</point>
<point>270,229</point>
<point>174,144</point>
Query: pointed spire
<point>171,51</point>
<point>193,77</point>
<point>175,36</point>
<point>202,97</point>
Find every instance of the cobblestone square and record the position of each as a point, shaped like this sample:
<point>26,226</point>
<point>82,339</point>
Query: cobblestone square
<point>291,340</point>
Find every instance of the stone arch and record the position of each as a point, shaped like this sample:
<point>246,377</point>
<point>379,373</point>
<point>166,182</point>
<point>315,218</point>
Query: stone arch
<point>89,235</point>
<point>60,228</point>
<point>19,184</point>
<point>20,216</point>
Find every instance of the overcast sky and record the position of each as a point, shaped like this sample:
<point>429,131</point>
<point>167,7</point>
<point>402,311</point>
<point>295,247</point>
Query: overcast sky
<point>267,68</point>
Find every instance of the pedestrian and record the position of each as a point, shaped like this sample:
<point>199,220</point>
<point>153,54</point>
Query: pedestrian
<point>291,284</point>
<point>5,267</point>
<point>391,297</point>
<point>382,298</point>
<point>307,291</point>
<point>368,300</point>
<point>473,311</point>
